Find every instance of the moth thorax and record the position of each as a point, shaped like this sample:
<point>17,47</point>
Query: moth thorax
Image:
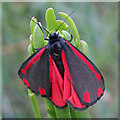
<point>56,48</point>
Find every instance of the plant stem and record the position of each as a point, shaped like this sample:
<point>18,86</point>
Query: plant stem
<point>63,113</point>
<point>50,109</point>
<point>34,104</point>
<point>77,114</point>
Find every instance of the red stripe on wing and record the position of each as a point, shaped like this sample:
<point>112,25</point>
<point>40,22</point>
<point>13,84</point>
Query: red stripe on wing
<point>33,60</point>
<point>69,92</point>
<point>98,76</point>
<point>57,84</point>
<point>26,82</point>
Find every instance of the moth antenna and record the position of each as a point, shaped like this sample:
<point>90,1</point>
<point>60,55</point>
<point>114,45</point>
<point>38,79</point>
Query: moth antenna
<point>65,19</point>
<point>39,26</point>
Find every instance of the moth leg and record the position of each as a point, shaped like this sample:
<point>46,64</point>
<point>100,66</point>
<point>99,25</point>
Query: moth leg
<point>71,38</point>
<point>35,48</point>
<point>47,39</point>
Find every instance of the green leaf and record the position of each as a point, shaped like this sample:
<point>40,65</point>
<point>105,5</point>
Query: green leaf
<point>38,38</point>
<point>85,47</point>
<point>67,36</point>
<point>50,19</point>
<point>46,42</point>
<point>74,29</point>
<point>31,45</point>
<point>31,39</point>
<point>30,49</point>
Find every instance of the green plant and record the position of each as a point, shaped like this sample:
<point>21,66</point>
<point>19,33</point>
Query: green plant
<point>37,40</point>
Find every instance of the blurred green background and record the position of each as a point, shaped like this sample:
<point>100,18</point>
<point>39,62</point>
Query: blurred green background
<point>97,24</point>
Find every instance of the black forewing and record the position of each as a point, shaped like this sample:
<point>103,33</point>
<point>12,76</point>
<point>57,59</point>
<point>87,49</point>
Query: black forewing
<point>84,80</point>
<point>38,74</point>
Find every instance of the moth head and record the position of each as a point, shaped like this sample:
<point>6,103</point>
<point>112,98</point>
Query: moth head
<point>54,36</point>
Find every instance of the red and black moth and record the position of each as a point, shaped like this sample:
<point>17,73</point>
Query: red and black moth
<point>63,74</point>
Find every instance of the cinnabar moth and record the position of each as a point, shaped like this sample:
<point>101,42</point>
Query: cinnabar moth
<point>63,74</point>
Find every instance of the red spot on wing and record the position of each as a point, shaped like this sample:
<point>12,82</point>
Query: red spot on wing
<point>69,92</point>
<point>74,99</point>
<point>86,97</point>
<point>42,91</point>
<point>98,76</point>
<point>26,82</point>
<point>33,60</point>
<point>99,92</point>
